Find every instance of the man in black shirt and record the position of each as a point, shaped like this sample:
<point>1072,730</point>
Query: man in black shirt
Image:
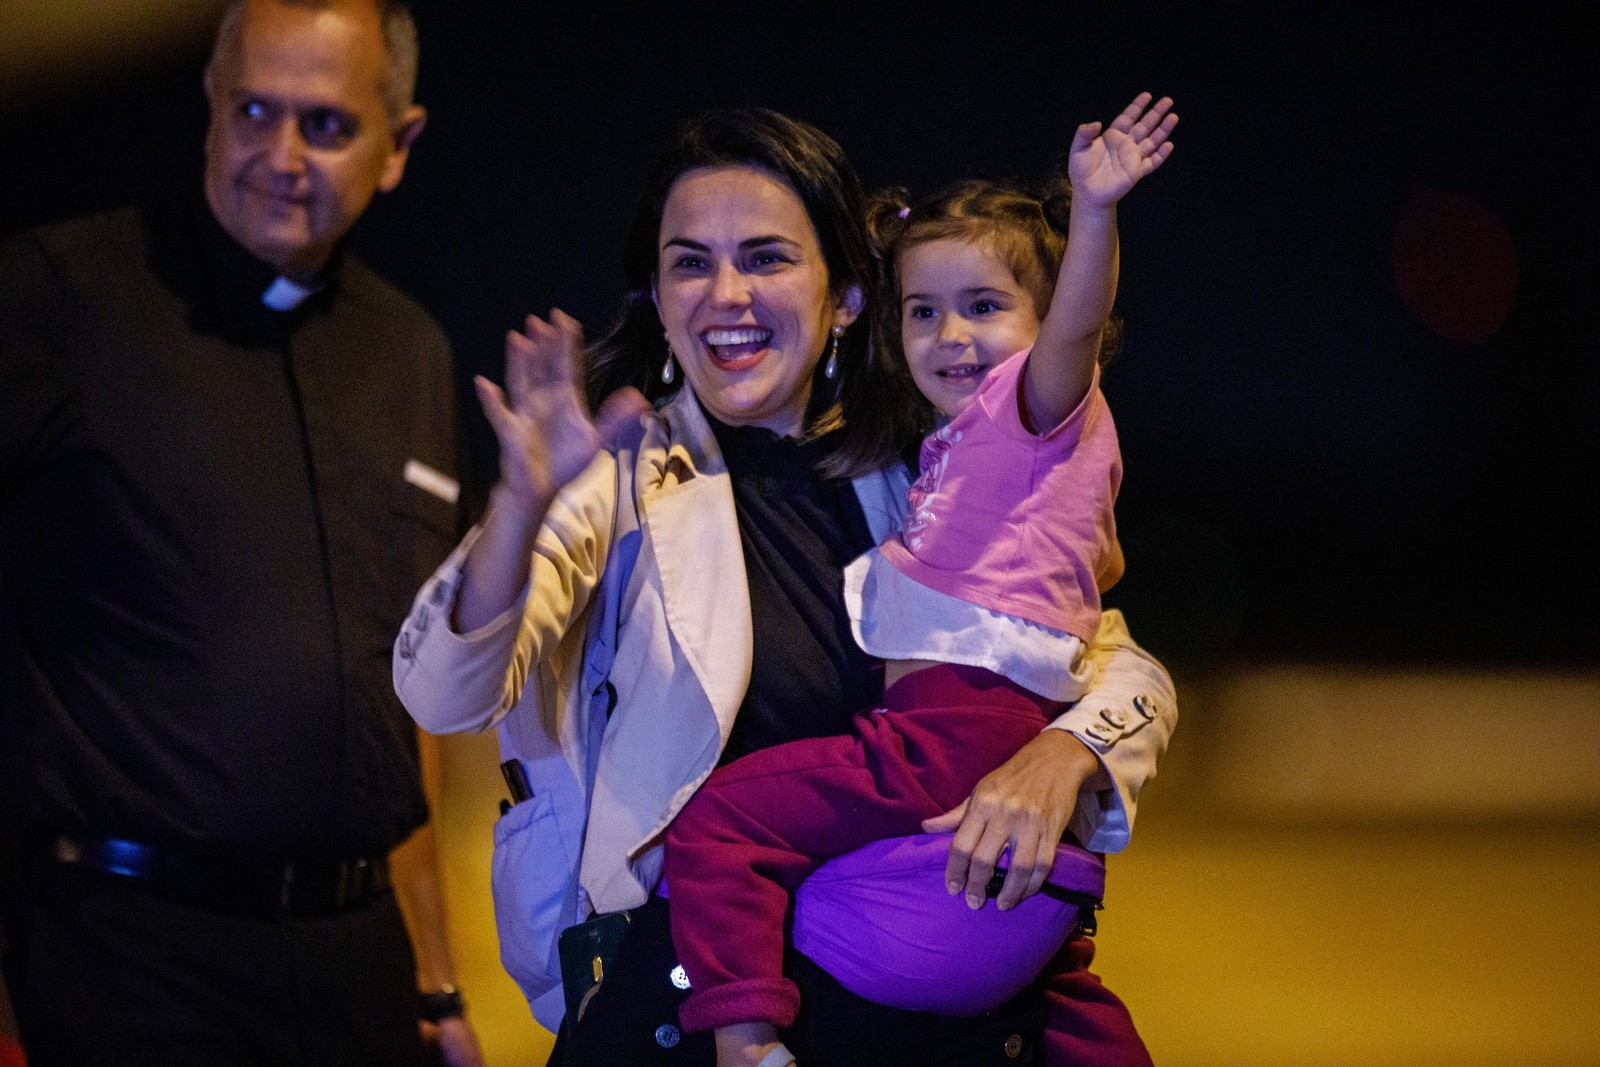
<point>227,458</point>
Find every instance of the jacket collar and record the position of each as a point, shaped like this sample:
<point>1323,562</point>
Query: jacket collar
<point>694,534</point>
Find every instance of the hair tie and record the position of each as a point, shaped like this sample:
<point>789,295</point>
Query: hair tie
<point>904,212</point>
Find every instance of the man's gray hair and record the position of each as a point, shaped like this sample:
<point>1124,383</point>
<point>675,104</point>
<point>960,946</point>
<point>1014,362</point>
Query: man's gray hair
<point>399,42</point>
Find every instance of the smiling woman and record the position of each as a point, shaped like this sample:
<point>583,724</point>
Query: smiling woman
<point>631,616</point>
<point>743,293</point>
<point>783,164</point>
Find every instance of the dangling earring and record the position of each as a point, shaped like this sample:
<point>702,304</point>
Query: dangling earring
<point>669,369</point>
<point>830,369</point>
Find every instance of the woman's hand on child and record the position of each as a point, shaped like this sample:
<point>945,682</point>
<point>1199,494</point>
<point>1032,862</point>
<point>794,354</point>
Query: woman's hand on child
<point>1104,165</point>
<point>1024,805</point>
<point>540,419</point>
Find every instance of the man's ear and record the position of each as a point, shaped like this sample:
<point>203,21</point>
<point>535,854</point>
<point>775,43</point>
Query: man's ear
<point>406,133</point>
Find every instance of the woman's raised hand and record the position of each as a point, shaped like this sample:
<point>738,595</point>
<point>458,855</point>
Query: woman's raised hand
<point>1104,165</point>
<point>546,435</point>
<point>546,440</point>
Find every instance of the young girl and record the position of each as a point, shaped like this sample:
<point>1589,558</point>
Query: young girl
<point>980,606</point>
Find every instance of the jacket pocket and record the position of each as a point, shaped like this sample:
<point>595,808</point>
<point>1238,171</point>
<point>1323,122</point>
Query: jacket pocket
<point>533,877</point>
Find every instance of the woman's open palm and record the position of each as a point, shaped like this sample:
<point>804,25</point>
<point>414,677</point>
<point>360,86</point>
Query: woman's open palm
<point>541,421</point>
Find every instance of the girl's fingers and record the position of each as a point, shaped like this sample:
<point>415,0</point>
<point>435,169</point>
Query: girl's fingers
<point>1085,136</point>
<point>1161,132</point>
<point>1152,118</point>
<point>1156,148</point>
<point>1155,159</point>
<point>1130,114</point>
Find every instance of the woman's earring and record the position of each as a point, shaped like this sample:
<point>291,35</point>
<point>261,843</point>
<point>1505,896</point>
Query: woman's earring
<point>669,369</point>
<point>830,369</point>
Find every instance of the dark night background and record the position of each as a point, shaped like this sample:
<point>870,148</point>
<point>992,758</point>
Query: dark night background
<point>1322,463</point>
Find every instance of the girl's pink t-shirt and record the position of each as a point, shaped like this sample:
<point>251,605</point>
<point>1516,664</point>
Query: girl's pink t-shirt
<point>1012,521</point>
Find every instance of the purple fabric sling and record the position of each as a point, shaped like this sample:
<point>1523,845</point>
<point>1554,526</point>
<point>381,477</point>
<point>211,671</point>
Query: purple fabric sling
<point>880,921</point>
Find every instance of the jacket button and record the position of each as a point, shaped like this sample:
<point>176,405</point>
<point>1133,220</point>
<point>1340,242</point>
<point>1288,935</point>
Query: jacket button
<point>1013,1046</point>
<point>680,977</point>
<point>667,1035</point>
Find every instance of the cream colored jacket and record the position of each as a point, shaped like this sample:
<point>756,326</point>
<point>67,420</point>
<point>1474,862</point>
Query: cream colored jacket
<point>618,698</point>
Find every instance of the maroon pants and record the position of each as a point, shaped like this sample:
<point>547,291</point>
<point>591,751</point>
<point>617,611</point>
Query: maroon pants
<point>1088,1025</point>
<point>761,824</point>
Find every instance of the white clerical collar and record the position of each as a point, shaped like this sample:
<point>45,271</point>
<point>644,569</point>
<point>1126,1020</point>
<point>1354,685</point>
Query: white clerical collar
<point>284,295</point>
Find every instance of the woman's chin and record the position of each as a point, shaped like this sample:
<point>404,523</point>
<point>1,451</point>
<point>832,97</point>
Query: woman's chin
<point>739,405</point>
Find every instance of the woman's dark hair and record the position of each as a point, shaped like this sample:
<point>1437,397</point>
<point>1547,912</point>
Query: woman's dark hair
<point>1025,228</point>
<point>872,401</point>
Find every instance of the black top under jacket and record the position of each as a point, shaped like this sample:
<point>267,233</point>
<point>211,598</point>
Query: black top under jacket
<point>208,540</point>
<point>808,676</point>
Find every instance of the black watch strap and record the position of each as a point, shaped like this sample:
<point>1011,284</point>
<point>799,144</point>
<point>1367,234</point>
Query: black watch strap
<point>446,1003</point>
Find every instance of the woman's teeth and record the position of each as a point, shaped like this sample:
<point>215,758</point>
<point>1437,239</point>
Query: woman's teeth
<point>736,338</point>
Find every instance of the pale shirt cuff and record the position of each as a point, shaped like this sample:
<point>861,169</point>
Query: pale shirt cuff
<point>1101,821</point>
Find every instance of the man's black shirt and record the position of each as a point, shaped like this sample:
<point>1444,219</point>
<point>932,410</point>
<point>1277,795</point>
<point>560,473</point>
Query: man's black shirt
<point>208,539</point>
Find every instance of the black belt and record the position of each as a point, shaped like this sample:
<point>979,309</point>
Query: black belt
<point>251,888</point>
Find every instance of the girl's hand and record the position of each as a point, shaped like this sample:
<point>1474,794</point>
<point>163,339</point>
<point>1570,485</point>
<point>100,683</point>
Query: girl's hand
<point>1104,166</point>
<point>543,426</point>
<point>1024,805</point>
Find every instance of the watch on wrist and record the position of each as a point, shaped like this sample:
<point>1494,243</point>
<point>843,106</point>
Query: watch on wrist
<point>445,1003</point>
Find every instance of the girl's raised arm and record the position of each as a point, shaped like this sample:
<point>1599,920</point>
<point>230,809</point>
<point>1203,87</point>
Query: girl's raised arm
<point>1103,165</point>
